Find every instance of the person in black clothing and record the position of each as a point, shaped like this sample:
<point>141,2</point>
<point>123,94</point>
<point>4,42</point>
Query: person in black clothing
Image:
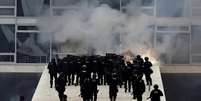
<point>52,71</point>
<point>60,86</point>
<point>140,88</point>
<point>85,89</point>
<point>83,74</point>
<point>94,86</point>
<point>139,61</point>
<point>134,81</point>
<point>148,71</point>
<point>156,94</point>
<point>113,89</point>
<point>128,77</point>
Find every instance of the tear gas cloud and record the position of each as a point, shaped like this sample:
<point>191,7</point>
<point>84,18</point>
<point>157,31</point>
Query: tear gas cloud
<point>93,27</point>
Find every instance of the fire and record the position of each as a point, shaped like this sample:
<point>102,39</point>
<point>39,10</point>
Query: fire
<point>128,56</point>
<point>153,57</point>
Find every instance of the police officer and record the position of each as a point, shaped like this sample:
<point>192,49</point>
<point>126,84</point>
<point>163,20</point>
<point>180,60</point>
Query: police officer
<point>148,71</point>
<point>128,77</point>
<point>83,74</point>
<point>134,81</point>
<point>140,88</point>
<point>52,67</point>
<point>60,85</point>
<point>85,89</point>
<point>113,89</point>
<point>156,94</point>
<point>139,60</point>
<point>94,86</point>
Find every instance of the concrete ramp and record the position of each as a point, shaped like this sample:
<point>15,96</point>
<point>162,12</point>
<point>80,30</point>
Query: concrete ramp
<point>44,93</point>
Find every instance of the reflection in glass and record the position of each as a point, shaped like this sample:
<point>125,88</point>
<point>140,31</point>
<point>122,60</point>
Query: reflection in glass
<point>7,38</point>
<point>172,8</point>
<point>30,50</point>
<point>7,11</point>
<point>196,59</point>
<point>32,7</point>
<point>172,28</point>
<point>195,41</point>
<point>115,4</point>
<point>6,58</point>
<point>64,2</point>
<point>7,2</point>
<point>138,2</point>
<point>173,48</point>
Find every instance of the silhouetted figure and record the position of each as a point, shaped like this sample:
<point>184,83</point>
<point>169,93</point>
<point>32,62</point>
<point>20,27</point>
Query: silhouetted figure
<point>134,82</point>
<point>148,71</point>
<point>113,89</point>
<point>94,86</point>
<point>60,86</point>
<point>156,94</point>
<point>86,91</point>
<point>83,74</point>
<point>52,67</point>
<point>140,88</point>
<point>128,77</point>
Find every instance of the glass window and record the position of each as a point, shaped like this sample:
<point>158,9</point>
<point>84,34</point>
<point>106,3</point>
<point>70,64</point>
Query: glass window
<point>196,59</point>
<point>7,2</point>
<point>149,12</point>
<point>32,7</point>
<point>6,58</point>
<point>196,3</point>
<point>147,2</point>
<point>7,38</point>
<point>58,11</point>
<point>27,28</point>
<point>115,4</point>
<point>172,8</point>
<point>172,28</point>
<point>196,12</point>
<point>195,39</point>
<point>64,2</point>
<point>30,49</point>
<point>7,11</point>
<point>174,47</point>
<point>138,2</point>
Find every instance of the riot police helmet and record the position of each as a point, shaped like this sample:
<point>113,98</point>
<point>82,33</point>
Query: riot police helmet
<point>155,86</point>
<point>146,58</point>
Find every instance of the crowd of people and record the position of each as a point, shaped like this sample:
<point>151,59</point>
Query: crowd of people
<point>90,71</point>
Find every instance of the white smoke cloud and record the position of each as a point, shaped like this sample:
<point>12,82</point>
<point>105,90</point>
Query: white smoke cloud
<point>88,26</point>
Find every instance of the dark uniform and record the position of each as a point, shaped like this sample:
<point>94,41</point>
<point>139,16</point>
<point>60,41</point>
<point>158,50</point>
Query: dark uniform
<point>128,77</point>
<point>83,74</point>
<point>113,89</point>
<point>156,94</point>
<point>85,89</point>
<point>52,67</point>
<point>140,88</point>
<point>148,71</point>
<point>94,87</point>
<point>60,86</point>
<point>134,82</point>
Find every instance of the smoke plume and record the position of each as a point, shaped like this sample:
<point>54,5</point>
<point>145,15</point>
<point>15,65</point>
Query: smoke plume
<point>94,28</point>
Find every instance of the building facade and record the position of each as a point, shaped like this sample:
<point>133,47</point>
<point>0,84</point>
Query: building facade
<point>19,31</point>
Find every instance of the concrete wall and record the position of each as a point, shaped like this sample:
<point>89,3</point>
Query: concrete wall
<point>38,68</point>
<point>22,68</point>
<point>181,68</point>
